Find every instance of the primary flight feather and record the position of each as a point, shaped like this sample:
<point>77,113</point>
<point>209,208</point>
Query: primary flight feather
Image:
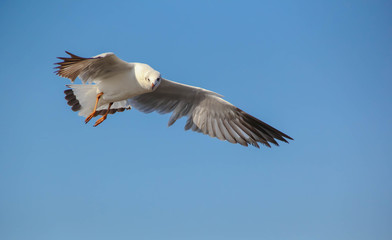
<point>119,85</point>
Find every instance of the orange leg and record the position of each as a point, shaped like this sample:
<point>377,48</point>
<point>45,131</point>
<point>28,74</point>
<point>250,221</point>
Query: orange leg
<point>95,108</point>
<point>99,121</point>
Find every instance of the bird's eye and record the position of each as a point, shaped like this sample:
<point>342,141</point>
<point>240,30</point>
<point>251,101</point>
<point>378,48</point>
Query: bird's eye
<point>158,79</point>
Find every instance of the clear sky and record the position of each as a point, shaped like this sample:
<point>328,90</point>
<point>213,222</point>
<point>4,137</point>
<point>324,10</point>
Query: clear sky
<point>319,71</point>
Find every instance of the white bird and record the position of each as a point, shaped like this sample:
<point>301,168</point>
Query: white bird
<point>119,85</point>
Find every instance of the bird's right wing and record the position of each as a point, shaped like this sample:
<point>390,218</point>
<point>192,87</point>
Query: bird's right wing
<point>208,113</point>
<point>90,69</point>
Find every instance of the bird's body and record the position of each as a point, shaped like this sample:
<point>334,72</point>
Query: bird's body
<point>117,79</point>
<point>119,85</point>
<point>124,84</point>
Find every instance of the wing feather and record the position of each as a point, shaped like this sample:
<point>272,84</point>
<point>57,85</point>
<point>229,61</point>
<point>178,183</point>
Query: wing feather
<point>210,129</point>
<point>208,113</point>
<point>234,135</point>
<point>226,132</point>
<point>241,138</point>
<point>92,69</point>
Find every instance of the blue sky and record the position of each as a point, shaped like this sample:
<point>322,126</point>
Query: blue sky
<point>319,71</point>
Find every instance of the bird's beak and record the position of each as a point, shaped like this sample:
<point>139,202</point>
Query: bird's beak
<point>153,85</point>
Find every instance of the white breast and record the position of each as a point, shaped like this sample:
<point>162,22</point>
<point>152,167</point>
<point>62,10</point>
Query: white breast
<point>120,87</point>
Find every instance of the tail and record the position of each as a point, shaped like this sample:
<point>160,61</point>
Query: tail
<point>82,97</point>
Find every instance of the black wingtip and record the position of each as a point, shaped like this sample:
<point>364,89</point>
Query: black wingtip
<point>263,130</point>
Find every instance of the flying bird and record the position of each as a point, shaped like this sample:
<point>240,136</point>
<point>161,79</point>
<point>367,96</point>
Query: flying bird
<point>111,85</point>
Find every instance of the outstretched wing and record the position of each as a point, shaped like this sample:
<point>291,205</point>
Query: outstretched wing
<point>92,69</point>
<point>208,113</point>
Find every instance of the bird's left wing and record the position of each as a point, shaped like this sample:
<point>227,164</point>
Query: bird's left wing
<point>91,69</point>
<point>208,113</point>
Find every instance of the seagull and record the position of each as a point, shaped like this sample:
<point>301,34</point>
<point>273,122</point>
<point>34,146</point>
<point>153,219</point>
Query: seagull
<point>111,85</point>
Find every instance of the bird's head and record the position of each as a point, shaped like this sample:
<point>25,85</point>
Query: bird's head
<point>153,79</point>
<point>148,77</point>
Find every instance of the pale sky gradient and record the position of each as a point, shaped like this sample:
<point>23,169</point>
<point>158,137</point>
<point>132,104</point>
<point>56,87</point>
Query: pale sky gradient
<point>319,71</point>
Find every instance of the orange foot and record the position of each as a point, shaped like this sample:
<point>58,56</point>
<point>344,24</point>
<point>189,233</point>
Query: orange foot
<point>89,117</point>
<point>99,121</point>
<point>95,108</point>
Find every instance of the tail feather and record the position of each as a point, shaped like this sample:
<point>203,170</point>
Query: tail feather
<point>82,97</point>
